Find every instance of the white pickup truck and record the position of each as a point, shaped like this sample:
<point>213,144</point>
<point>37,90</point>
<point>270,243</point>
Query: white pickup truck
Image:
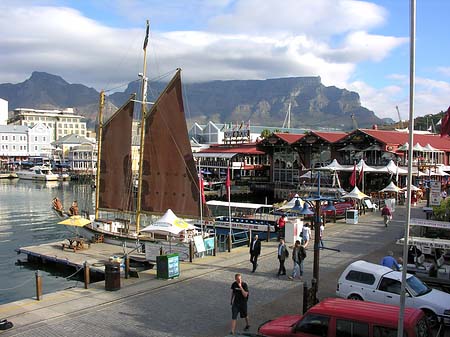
<point>367,281</point>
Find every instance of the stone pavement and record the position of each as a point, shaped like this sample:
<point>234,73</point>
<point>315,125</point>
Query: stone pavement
<point>197,303</point>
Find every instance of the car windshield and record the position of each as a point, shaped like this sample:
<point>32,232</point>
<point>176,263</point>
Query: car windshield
<point>417,287</point>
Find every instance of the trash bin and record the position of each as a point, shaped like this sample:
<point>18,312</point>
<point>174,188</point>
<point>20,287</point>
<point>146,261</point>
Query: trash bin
<point>351,216</point>
<point>168,266</point>
<point>112,276</point>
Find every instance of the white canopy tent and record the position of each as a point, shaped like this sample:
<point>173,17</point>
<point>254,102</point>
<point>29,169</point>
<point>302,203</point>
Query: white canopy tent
<point>366,168</point>
<point>291,203</point>
<point>356,194</point>
<point>391,188</point>
<point>168,224</point>
<point>333,166</point>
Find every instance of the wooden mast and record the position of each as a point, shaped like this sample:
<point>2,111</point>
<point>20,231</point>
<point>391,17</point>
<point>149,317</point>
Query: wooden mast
<point>141,143</point>
<point>101,107</point>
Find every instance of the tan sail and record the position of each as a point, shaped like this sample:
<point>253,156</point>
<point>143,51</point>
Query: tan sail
<point>169,177</point>
<point>115,183</point>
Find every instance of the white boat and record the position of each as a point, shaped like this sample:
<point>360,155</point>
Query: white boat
<point>38,173</point>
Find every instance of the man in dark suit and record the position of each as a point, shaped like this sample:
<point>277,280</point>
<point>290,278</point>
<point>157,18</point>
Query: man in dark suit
<point>255,251</point>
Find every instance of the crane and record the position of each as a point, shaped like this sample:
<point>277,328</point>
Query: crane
<point>399,118</point>
<point>355,123</point>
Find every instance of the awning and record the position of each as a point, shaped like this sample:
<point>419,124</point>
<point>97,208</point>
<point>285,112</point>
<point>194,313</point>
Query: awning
<point>227,155</point>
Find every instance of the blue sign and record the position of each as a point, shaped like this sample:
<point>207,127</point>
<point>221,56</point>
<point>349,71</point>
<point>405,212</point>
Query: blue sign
<point>209,243</point>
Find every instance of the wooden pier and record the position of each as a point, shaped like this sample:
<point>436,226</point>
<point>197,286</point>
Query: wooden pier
<point>95,254</point>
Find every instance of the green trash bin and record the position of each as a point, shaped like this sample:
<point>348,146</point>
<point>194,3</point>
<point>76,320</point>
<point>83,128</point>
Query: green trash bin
<point>112,276</point>
<point>168,266</point>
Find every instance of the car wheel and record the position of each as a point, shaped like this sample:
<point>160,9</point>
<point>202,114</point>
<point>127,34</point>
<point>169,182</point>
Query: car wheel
<point>431,318</point>
<point>355,297</point>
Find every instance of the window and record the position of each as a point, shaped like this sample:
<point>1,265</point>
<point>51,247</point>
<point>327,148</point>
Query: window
<point>360,277</point>
<point>35,138</point>
<point>351,329</point>
<point>382,331</point>
<point>312,324</point>
<point>14,138</point>
<point>389,285</point>
<point>35,148</point>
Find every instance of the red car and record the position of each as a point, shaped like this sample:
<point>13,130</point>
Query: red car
<point>342,317</point>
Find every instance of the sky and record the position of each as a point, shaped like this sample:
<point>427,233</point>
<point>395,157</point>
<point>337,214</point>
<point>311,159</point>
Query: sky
<point>363,46</point>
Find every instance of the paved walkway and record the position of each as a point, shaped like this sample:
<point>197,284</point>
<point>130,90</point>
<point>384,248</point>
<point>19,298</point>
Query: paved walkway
<point>197,303</point>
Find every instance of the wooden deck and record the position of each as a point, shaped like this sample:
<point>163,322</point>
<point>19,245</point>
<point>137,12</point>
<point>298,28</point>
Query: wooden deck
<point>95,254</point>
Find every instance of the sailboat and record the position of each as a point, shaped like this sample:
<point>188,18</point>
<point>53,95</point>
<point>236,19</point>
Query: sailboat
<point>167,177</point>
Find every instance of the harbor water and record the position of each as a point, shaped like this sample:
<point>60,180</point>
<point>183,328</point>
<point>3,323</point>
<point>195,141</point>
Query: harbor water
<point>26,219</point>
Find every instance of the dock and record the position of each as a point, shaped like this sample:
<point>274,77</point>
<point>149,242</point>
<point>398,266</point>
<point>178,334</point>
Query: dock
<point>95,254</point>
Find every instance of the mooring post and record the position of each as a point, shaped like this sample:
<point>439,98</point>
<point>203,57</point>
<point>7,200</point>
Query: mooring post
<point>229,243</point>
<point>215,245</point>
<point>38,286</point>
<point>268,233</point>
<point>86,275</point>
<point>191,251</point>
<point>127,266</point>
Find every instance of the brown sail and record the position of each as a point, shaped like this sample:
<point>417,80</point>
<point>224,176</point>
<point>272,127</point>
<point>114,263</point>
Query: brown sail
<point>115,184</point>
<point>169,178</point>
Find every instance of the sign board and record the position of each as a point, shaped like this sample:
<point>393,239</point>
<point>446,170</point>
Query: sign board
<point>429,223</point>
<point>199,244</point>
<point>423,243</point>
<point>173,263</point>
<point>209,243</point>
<point>435,193</point>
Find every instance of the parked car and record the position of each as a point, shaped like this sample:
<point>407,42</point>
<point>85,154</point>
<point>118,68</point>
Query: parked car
<point>367,281</point>
<point>341,317</point>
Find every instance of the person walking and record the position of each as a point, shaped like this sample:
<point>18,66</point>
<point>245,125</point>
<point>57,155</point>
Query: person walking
<point>306,235</point>
<point>239,298</point>
<point>298,255</point>
<point>283,253</point>
<point>255,251</point>
<point>387,215</point>
<point>321,229</point>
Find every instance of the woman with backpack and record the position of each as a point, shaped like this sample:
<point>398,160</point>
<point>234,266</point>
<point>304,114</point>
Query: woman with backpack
<point>298,255</point>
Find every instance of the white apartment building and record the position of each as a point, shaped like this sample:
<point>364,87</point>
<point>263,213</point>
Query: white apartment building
<point>61,122</point>
<point>3,111</point>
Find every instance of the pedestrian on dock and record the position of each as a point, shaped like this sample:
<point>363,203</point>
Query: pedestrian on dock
<point>298,255</point>
<point>281,224</point>
<point>386,214</point>
<point>239,298</point>
<point>283,253</point>
<point>389,261</point>
<point>321,230</point>
<point>255,251</point>
<point>306,235</point>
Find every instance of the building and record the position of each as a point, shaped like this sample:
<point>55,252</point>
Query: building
<point>61,122</point>
<point>3,111</point>
<point>19,142</point>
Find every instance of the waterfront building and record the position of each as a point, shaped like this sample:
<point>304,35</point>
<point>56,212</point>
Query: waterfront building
<point>61,122</point>
<point>3,111</point>
<point>19,142</point>
<point>78,151</point>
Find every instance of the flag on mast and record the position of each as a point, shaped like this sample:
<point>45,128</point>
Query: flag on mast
<point>353,176</point>
<point>202,188</point>
<point>361,174</point>
<point>228,183</point>
<point>146,36</point>
<point>445,124</point>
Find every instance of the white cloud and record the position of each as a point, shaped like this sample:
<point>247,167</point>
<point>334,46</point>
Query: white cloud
<point>444,71</point>
<point>249,39</point>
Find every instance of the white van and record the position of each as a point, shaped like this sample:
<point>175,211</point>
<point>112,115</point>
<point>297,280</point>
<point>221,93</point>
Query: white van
<point>367,281</point>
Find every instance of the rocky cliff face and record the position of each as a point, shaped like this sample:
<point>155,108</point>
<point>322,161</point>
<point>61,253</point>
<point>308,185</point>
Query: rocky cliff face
<point>263,102</point>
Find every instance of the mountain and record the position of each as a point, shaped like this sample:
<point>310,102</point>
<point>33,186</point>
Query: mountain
<point>263,102</point>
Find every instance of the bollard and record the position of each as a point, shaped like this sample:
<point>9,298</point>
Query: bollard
<point>229,243</point>
<point>305,298</point>
<point>191,251</point>
<point>215,245</point>
<point>127,266</point>
<point>268,233</point>
<point>38,286</point>
<point>86,275</point>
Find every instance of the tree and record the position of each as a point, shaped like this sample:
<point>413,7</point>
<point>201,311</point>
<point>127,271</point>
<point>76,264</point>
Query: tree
<point>266,133</point>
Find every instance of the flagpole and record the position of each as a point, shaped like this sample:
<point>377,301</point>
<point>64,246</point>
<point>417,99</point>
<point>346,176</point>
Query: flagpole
<point>200,180</point>
<point>410,159</point>
<point>228,183</point>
